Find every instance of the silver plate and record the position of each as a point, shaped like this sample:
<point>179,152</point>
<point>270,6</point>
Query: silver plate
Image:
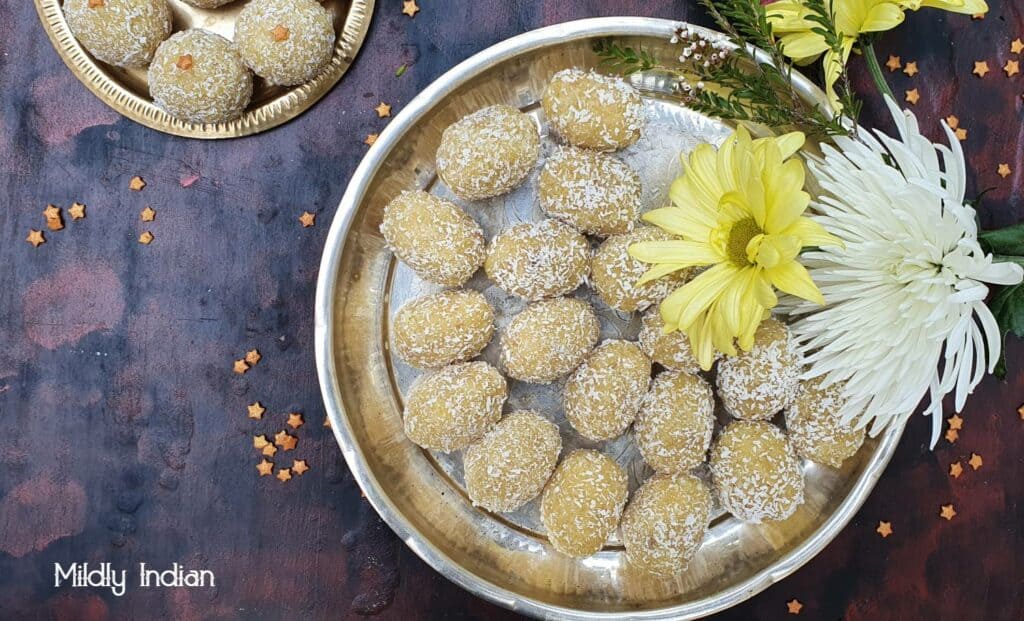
<point>506,558</point>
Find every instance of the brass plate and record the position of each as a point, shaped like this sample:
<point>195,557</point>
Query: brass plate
<point>126,90</point>
<point>506,558</point>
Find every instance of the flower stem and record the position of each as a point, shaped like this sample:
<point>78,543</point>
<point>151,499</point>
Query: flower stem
<point>874,68</point>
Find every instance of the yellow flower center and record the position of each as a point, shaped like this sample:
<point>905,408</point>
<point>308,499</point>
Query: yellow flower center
<point>740,235</point>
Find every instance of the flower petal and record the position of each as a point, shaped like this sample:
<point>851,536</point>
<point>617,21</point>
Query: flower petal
<point>882,16</point>
<point>683,253</point>
<point>793,278</point>
<point>810,233</point>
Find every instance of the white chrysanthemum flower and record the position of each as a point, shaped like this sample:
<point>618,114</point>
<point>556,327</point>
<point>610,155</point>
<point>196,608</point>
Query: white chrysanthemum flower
<point>905,311</point>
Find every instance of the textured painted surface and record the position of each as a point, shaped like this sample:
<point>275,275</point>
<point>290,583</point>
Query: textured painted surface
<point>124,429</point>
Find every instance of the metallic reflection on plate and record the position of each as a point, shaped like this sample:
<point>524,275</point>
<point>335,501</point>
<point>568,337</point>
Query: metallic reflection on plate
<point>506,558</point>
<point>126,90</point>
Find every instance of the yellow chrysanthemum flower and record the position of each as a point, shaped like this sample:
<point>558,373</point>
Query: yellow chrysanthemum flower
<point>738,210</point>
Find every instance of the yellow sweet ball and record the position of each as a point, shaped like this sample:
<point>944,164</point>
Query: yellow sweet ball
<point>757,384</point>
<point>676,420</point>
<point>665,522</point>
<point>510,465</point>
<point>450,409</point>
<point>602,396</point>
<point>595,192</point>
<point>197,76</point>
<point>583,501</point>
<point>548,339</point>
<point>756,473</point>
<point>125,33</point>
<point>285,42</point>
<point>671,350</point>
<point>488,153</point>
<point>815,428</point>
<point>591,110</point>
<point>537,260</point>
<point>614,273</point>
<point>434,237</point>
<point>436,330</point>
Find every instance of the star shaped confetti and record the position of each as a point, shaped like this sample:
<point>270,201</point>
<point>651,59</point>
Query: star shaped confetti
<point>794,606</point>
<point>980,68</point>
<point>146,238</point>
<point>1017,46</point>
<point>1020,412</point>
<point>911,69</point>
<point>947,512</point>
<point>327,421</point>
<point>280,33</point>
<point>256,410</point>
<point>884,529</point>
<point>54,221</point>
<point>285,441</point>
<point>284,474</point>
<point>370,139</point>
<point>410,8</point>
<point>912,96</point>
<point>148,214</point>
<point>76,211</point>
<point>952,121</point>
<point>269,450</point>
<point>955,470</point>
<point>893,63</point>
<point>977,16</point>
<point>253,356</point>
<point>299,466</point>
<point>1012,68</point>
<point>240,367</point>
<point>383,110</point>
<point>952,435</point>
<point>265,467</point>
<point>1003,170</point>
<point>955,422</point>
<point>295,420</point>
<point>307,219</point>
<point>975,461</point>
<point>260,441</point>
<point>136,184</point>
<point>185,63</point>
<point>35,238</point>
<point>961,134</point>
<point>95,4</point>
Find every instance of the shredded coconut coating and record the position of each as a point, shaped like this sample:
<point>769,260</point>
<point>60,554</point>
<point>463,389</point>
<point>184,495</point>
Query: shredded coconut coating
<point>815,428</point>
<point>756,473</point>
<point>549,339</point>
<point>676,419</point>
<point>298,56</point>
<point>595,192</point>
<point>436,330</point>
<point>583,501</point>
<point>665,522</point>
<point>756,384</point>
<point>602,396</point>
<point>594,111</point>
<point>215,88</point>
<point>450,409</point>
<point>511,464</point>
<point>614,273</point>
<point>208,4</point>
<point>671,350</point>
<point>488,153</point>
<point>125,33</point>
<point>537,260</point>
<point>436,238</point>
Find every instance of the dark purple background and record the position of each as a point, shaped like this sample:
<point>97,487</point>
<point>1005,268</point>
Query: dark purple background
<point>124,430</point>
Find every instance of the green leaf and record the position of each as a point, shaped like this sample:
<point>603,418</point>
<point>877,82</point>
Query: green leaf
<point>1005,241</point>
<point>400,71</point>
<point>1008,308</point>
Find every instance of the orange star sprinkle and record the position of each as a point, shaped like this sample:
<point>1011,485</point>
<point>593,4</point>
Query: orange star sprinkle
<point>975,461</point>
<point>76,211</point>
<point>955,422</point>
<point>794,606</point>
<point>383,110</point>
<point>253,356</point>
<point>185,62</point>
<point>1003,170</point>
<point>327,421</point>
<point>952,436</point>
<point>280,33</point>
<point>35,238</point>
<point>1017,46</point>
<point>307,219</point>
<point>285,441</point>
<point>265,467</point>
<point>1012,68</point>
<point>146,238</point>
<point>54,221</point>
<point>952,121</point>
<point>980,68</point>
<point>240,367</point>
<point>260,441</point>
<point>370,139</point>
<point>256,410</point>
<point>948,512</point>
<point>284,474</point>
<point>1020,412</point>
<point>299,466</point>
<point>409,8</point>
<point>269,450</point>
<point>955,470</point>
<point>961,134</point>
<point>136,184</point>
<point>978,16</point>
<point>912,96</point>
<point>95,4</point>
<point>295,420</point>
<point>148,214</point>
<point>893,63</point>
<point>911,69</point>
<point>884,529</point>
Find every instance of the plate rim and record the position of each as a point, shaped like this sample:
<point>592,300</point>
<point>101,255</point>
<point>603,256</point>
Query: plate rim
<point>327,372</point>
<point>271,114</point>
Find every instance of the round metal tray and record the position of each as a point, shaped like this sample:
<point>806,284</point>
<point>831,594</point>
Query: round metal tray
<point>127,92</point>
<point>506,557</point>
